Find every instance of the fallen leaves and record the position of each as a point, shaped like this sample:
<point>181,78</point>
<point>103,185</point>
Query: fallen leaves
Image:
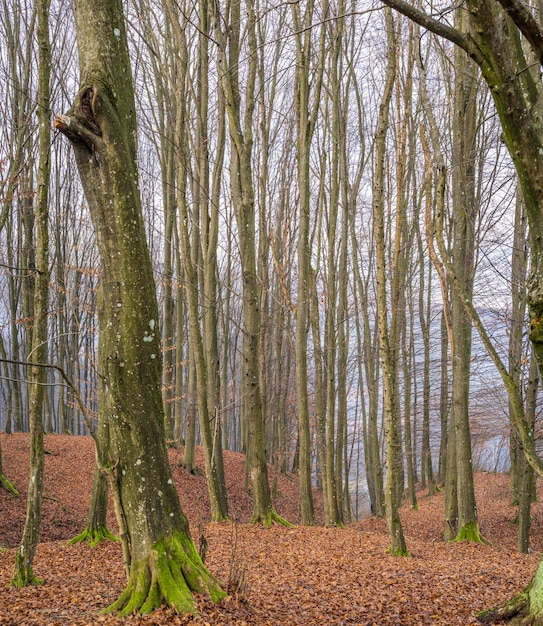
<point>294,576</point>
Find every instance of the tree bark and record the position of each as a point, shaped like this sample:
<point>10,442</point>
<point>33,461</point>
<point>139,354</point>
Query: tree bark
<point>24,558</point>
<point>162,563</point>
<point>393,444</point>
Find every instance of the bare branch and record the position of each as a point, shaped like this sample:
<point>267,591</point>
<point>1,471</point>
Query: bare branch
<point>431,24</point>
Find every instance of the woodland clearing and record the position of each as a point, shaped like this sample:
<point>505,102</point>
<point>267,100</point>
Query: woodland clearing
<point>301,575</point>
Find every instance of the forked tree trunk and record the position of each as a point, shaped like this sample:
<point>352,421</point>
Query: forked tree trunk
<point>162,563</point>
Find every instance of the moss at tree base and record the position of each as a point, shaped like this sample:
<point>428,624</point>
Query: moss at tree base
<point>94,536</point>
<point>272,517</point>
<point>514,612</point>
<point>23,575</point>
<point>524,609</point>
<point>470,532</point>
<point>169,576</point>
<point>399,552</point>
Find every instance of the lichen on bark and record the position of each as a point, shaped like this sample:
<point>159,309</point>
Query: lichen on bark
<point>161,561</point>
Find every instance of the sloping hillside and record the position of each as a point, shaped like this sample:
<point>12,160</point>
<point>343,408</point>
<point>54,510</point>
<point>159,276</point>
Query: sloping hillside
<point>290,575</point>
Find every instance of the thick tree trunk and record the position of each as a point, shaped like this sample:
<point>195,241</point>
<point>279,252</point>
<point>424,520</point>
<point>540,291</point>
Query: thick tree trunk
<point>162,563</point>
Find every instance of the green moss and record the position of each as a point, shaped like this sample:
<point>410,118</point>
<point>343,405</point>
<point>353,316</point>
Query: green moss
<point>170,575</point>
<point>536,329</point>
<point>271,517</point>
<point>400,552</point>
<point>277,519</point>
<point>470,532</point>
<point>23,576</point>
<point>7,484</point>
<point>518,605</point>
<point>535,593</point>
<point>94,537</point>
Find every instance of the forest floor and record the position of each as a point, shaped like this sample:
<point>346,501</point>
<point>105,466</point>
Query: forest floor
<point>301,575</point>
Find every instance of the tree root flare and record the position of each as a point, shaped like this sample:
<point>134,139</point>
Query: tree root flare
<point>272,517</point>
<point>470,532</point>
<point>169,576</point>
<point>23,577</point>
<point>515,611</point>
<point>94,536</point>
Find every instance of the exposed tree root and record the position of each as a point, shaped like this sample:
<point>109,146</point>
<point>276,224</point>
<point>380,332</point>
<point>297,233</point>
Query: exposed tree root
<point>7,484</point>
<point>169,576</point>
<point>272,517</point>
<point>194,471</point>
<point>94,536</point>
<point>525,609</point>
<point>398,552</point>
<point>515,611</point>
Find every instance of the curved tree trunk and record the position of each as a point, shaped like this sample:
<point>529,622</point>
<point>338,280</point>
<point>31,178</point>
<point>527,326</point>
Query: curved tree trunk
<point>494,43</point>
<point>162,563</point>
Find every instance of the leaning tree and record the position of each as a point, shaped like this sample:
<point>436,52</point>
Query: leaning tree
<point>505,39</point>
<point>162,563</point>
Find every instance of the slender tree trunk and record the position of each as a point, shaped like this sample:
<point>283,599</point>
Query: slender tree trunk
<point>305,127</point>
<point>243,200</point>
<point>24,558</point>
<point>393,445</point>
<point>96,528</point>
<point>464,211</point>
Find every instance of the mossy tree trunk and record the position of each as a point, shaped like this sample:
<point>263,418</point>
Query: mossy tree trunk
<point>464,203</point>
<point>162,563</point>
<point>24,558</point>
<point>196,252</point>
<point>305,120</point>
<point>522,474</point>
<point>4,480</point>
